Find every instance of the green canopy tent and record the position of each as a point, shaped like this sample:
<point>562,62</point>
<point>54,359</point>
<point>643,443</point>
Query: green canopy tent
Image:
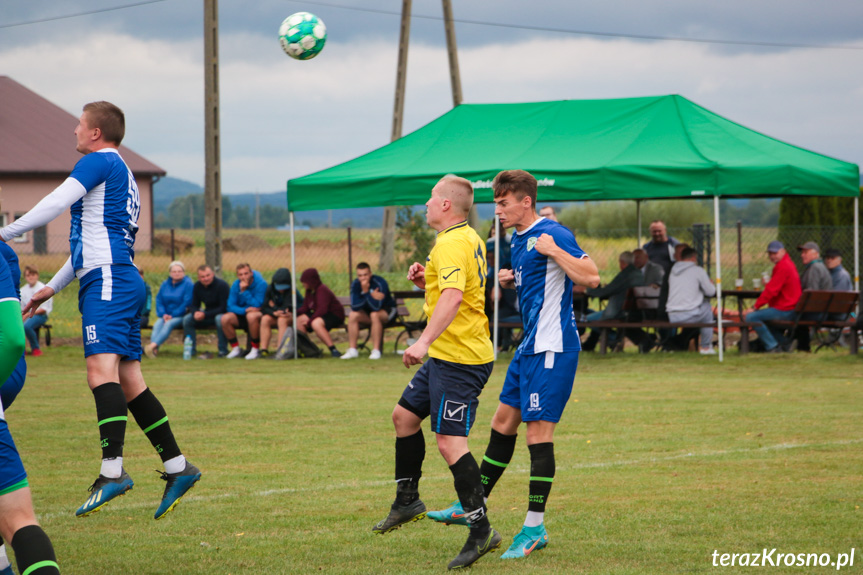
<point>632,148</point>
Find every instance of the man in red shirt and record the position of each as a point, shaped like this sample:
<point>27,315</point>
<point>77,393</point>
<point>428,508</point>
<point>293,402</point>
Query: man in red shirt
<point>780,295</point>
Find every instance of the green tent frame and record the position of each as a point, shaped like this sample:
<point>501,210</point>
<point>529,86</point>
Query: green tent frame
<point>630,148</point>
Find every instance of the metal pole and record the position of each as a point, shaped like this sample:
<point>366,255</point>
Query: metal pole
<point>638,218</point>
<point>350,259</point>
<point>212,170</point>
<point>389,224</point>
<point>718,276</point>
<point>857,246</point>
<point>293,284</point>
<point>739,249</point>
<point>173,258</point>
<point>496,291</point>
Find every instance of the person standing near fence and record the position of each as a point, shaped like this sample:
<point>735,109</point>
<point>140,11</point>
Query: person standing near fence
<point>105,205</point>
<point>40,317</point>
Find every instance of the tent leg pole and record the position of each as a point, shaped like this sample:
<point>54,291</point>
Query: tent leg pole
<point>293,284</point>
<point>638,219</point>
<point>857,244</point>
<point>718,279</point>
<point>495,291</point>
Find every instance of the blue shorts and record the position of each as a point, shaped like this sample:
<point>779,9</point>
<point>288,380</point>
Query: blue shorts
<point>12,474</point>
<point>540,385</point>
<point>12,386</point>
<point>110,301</point>
<point>448,392</point>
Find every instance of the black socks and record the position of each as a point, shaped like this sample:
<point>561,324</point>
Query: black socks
<point>410,453</point>
<point>497,456</point>
<point>153,420</point>
<point>541,475</point>
<point>466,479</point>
<point>111,413</point>
<point>34,553</point>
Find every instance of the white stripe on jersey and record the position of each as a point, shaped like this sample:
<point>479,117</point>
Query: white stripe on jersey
<point>549,335</point>
<point>107,283</point>
<point>9,299</point>
<point>94,235</point>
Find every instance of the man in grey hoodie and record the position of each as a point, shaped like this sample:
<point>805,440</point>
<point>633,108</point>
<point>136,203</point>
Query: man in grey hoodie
<point>689,286</point>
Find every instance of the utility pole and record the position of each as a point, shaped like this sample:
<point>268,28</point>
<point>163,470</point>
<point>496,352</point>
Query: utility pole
<point>212,161</point>
<point>388,230</point>
<point>455,81</point>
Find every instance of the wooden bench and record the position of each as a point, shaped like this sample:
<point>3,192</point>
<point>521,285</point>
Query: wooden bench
<point>399,321</point>
<point>824,305</point>
<point>643,300</point>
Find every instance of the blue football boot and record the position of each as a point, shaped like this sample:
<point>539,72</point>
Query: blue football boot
<point>528,540</point>
<point>103,490</point>
<point>178,485</point>
<point>453,515</point>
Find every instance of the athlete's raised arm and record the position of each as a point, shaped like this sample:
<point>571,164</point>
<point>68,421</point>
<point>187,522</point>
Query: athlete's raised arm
<point>582,271</point>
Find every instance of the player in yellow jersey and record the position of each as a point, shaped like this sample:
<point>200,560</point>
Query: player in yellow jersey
<point>446,388</point>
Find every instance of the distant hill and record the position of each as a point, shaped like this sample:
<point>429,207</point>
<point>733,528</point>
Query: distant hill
<point>168,189</point>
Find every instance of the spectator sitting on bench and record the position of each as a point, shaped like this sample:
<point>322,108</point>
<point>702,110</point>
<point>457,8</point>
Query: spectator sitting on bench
<point>40,317</point>
<point>244,312</point>
<point>615,291</point>
<point>172,302</point>
<point>652,272</point>
<point>277,310</point>
<point>211,293</point>
<point>780,295</point>
<point>372,305</point>
<point>815,276</point>
<point>839,275</point>
<point>688,289</point>
<point>321,310</point>
<point>147,304</point>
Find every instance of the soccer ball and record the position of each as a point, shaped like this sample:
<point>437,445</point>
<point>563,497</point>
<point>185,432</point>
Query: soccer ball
<point>302,35</point>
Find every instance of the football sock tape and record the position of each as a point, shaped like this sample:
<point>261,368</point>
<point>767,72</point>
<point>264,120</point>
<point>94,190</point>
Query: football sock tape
<point>410,453</point>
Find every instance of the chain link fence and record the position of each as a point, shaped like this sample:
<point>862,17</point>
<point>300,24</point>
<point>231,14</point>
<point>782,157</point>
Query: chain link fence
<point>336,252</point>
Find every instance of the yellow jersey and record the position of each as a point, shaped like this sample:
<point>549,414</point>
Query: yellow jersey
<point>458,261</point>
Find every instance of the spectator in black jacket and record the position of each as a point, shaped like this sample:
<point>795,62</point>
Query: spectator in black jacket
<point>212,293</point>
<point>277,308</point>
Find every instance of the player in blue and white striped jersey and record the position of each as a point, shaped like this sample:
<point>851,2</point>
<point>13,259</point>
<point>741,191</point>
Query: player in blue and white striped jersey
<point>546,261</point>
<point>105,205</point>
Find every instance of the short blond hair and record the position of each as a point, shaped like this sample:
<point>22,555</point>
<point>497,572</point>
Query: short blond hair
<point>459,191</point>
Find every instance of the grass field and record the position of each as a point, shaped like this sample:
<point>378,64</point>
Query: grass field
<point>661,460</point>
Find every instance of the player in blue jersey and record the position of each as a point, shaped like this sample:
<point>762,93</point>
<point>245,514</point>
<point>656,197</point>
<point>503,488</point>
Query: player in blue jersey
<point>546,261</point>
<point>105,205</point>
<point>33,550</point>
<point>13,384</point>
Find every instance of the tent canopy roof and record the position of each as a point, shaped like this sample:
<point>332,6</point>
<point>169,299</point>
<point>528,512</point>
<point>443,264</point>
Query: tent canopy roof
<point>632,148</point>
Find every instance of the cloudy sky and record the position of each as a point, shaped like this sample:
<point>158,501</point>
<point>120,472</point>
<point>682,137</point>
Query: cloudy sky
<point>787,68</point>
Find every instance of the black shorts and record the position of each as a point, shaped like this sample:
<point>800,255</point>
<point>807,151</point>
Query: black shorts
<point>331,321</point>
<point>242,322</point>
<point>448,392</point>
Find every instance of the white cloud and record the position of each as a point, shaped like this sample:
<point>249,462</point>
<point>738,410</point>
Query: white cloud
<point>283,118</point>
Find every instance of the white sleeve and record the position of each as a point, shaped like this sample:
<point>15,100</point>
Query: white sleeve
<point>63,277</point>
<point>46,210</point>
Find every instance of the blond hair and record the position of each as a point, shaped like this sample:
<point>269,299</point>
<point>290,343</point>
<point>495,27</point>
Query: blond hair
<point>459,191</point>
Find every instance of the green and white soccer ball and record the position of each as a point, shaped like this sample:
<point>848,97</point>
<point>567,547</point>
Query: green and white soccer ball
<point>302,35</point>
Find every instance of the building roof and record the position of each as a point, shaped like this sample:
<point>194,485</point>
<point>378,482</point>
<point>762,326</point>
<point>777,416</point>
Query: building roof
<point>36,136</point>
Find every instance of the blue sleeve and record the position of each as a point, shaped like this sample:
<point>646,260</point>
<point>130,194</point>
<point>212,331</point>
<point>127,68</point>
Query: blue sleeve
<point>357,300</point>
<point>234,299</point>
<point>160,303</point>
<point>566,241</point>
<point>259,294</point>
<point>91,170</point>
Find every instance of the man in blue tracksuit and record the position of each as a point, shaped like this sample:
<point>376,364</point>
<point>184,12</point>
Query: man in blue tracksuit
<point>244,312</point>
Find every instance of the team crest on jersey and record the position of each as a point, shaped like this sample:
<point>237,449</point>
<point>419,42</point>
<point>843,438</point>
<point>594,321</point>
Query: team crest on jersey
<point>531,242</point>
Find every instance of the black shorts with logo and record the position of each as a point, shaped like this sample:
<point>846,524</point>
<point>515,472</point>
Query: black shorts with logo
<point>448,392</point>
